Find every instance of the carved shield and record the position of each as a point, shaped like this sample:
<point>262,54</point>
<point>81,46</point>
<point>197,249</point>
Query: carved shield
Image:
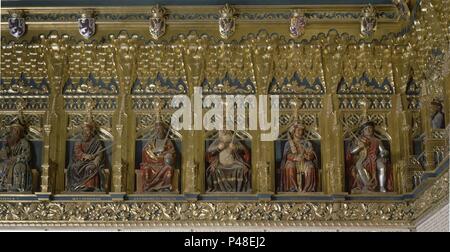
<point>226,26</point>
<point>297,26</point>
<point>86,26</point>
<point>368,26</point>
<point>17,26</point>
<point>157,27</point>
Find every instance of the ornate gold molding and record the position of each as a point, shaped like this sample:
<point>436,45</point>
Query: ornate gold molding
<point>351,213</point>
<point>329,74</point>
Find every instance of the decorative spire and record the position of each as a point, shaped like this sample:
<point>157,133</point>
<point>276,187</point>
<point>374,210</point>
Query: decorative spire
<point>295,114</point>
<point>157,107</point>
<point>20,121</point>
<point>364,103</point>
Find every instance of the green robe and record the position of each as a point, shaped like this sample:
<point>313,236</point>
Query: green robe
<point>15,171</point>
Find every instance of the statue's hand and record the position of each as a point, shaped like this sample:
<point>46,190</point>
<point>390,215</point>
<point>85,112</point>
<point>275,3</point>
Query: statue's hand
<point>299,158</point>
<point>96,162</point>
<point>87,157</point>
<point>12,160</point>
<point>309,155</point>
<point>363,142</point>
<point>366,141</point>
<point>220,146</point>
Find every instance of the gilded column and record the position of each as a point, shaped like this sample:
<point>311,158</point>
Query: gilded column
<point>55,51</point>
<point>400,150</point>
<point>193,148</point>
<point>332,139</point>
<point>401,144</point>
<point>425,103</point>
<point>124,49</point>
<point>263,53</point>
<point>331,145</point>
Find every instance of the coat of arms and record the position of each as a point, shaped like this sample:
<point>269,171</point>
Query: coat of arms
<point>157,26</point>
<point>86,25</point>
<point>297,25</point>
<point>227,21</point>
<point>16,24</point>
<point>368,21</point>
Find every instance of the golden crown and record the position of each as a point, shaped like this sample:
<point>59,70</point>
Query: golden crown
<point>227,11</point>
<point>158,11</point>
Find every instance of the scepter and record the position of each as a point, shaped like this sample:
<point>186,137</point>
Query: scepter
<point>361,171</point>
<point>351,132</point>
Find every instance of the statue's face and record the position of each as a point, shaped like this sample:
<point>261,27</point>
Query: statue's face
<point>368,131</point>
<point>298,132</point>
<point>88,133</point>
<point>15,133</point>
<point>436,108</point>
<point>160,132</point>
<point>225,135</point>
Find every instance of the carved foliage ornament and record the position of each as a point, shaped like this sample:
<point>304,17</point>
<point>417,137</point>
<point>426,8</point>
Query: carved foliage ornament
<point>86,24</point>
<point>24,86</point>
<point>368,21</point>
<point>343,213</point>
<point>16,24</point>
<point>90,86</point>
<point>297,24</point>
<point>227,21</point>
<point>157,25</point>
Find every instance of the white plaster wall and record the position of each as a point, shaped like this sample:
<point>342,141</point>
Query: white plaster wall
<point>435,222</point>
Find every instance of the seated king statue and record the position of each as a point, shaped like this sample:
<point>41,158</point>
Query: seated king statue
<point>15,157</point>
<point>299,163</point>
<point>229,165</point>
<point>88,160</point>
<point>158,160</point>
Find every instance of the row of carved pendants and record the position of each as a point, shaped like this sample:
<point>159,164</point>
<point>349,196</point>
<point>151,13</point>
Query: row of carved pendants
<point>227,21</point>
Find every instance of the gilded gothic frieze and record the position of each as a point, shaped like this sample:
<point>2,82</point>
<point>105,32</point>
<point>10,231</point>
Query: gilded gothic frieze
<point>102,104</point>
<point>207,213</point>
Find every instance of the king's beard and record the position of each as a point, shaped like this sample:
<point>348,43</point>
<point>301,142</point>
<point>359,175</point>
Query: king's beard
<point>13,139</point>
<point>86,138</point>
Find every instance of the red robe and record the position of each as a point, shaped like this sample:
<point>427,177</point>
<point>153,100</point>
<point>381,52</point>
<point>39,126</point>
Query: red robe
<point>289,169</point>
<point>370,165</point>
<point>156,172</point>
